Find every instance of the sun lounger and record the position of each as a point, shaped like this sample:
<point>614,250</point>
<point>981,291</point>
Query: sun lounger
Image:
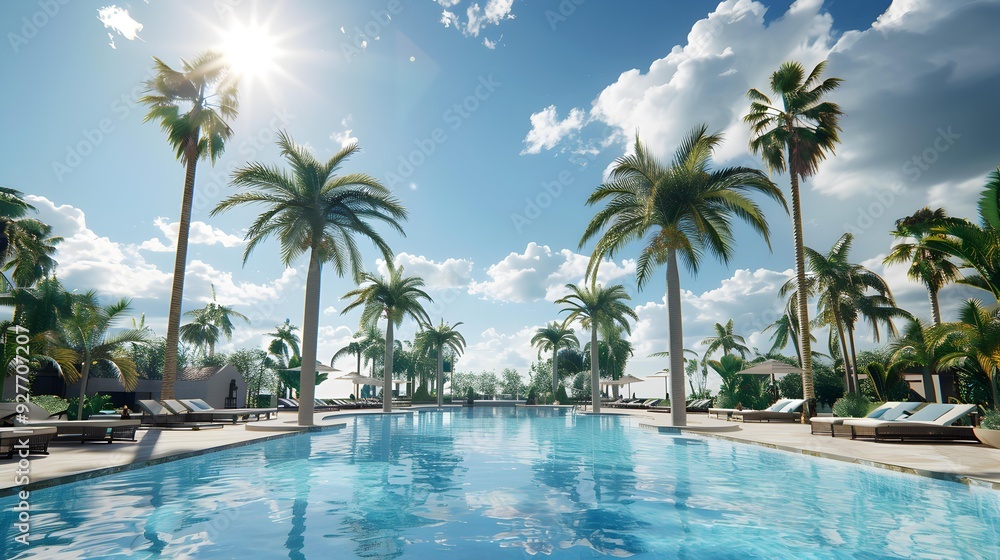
<point>729,411</point>
<point>931,423</point>
<point>834,426</point>
<point>788,413</point>
<point>699,405</point>
<point>23,441</point>
<point>198,409</point>
<point>156,415</point>
<point>87,430</point>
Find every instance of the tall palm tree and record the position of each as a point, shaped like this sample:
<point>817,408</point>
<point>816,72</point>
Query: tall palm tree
<point>210,323</point>
<point>26,244</point>
<point>974,342</point>
<point>552,337</point>
<point>975,245</point>
<point>84,337</point>
<point>929,266</point>
<point>395,298</point>
<point>372,341</point>
<point>37,310</point>
<point>613,353</point>
<point>914,349</point>
<point>207,94</point>
<point>439,338</point>
<point>678,210</point>
<point>314,210</point>
<point>352,349</point>
<point>726,339</point>
<point>795,137</point>
<point>285,344</point>
<point>594,306</point>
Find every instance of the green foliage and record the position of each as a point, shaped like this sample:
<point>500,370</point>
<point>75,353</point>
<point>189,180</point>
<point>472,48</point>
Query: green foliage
<point>470,394</point>
<point>991,420</point>
<point>561,396</point>
<point>422,395</point>
<point>726,400</point>
<point>790,386</point>
<point>257,368</point>
<point>828,383</point>
<point>91,406</point>
<point>883,385</point>
<point>540,374</point>
<point>581,386</point>
<point>852,405</point>
<point>486,383</point>
<point>511,382</point>
<point>532,395</point>
<point>51,403</point>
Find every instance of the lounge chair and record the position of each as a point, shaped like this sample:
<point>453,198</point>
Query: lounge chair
<point>197,408</point>
<point>699,405</point>
<point>834,426</point>
<point>103,429</point>
<point>729,411</point>
<point>156,415</point>
<point>35,440</point>
<point>932,422</point>
<point>790,412</point>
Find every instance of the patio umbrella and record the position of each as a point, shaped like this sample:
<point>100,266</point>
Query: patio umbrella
<point>358,379</point>
<point>320,368</point>
<point>772,368</point>
<point>624,380</point>
<point>665,374</point>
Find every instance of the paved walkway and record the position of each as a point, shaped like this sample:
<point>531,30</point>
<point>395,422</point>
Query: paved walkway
<point>73,460</point>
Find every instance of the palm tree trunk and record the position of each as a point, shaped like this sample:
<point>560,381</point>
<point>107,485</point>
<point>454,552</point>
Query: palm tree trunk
<point>310,332</point>
<point>846,352</point>
<point>854,358</point>
<point>678,408</point>
<point>805,344</point>
<point>440,376</point>
<point>180,265</point>
<point>595,378</point>
<point>387,373</point>
<point>935,306</point>
<point>555,371</point>
<point>84,375</point>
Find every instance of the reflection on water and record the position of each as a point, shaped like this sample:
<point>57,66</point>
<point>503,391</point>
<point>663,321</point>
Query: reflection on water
<point>492,483</point>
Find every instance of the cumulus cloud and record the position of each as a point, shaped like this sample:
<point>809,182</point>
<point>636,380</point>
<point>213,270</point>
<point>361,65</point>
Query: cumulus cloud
<point>477,17</point>
<point>450,274</point>
<point>547,130</point>
<point>200,234</point>
<point>541,273</point>
<point>489,44</point>
<point>344,137</point>
<point>118,19</point>
<point>90,261</point>
<point>493,350</point>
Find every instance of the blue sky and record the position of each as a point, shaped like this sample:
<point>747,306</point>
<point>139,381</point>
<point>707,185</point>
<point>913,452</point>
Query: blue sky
<point>492,120</point>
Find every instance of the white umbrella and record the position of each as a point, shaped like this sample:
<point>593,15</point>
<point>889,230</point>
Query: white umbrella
<point>624,380</point>
<point>320,368</point>
<point>358,379</point>
<point>772,368</point>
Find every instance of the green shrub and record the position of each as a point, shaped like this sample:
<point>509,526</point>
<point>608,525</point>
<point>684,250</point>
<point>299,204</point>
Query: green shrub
<point>422,395</point>
<point>790,386</point>
<point>532,396</point>
<point>829,384</point>
<point>561,397</point>
<point>991,420</point>
<point>852,405</point>
<point>51,403</point>
<point>470,394</point>
<point>725,400</point>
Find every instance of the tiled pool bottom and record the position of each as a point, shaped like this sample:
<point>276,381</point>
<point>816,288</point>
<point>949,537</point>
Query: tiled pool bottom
<point>506,483</point>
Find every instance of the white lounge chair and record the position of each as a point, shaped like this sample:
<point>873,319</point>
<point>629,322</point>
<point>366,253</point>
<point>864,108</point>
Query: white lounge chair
<point>932,422</point>
<point>826,425</point>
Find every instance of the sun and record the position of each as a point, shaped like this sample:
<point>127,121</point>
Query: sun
<point>251,51</point>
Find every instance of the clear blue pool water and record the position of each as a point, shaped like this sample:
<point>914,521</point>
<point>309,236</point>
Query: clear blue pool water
<point>498,483</point>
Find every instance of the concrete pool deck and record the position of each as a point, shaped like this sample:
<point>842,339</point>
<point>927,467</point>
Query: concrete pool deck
<point>71,460</point>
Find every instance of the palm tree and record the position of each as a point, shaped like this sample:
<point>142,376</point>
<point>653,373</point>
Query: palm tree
<point>613,352</point>
<point>395,298</point>
<point>210,323</point>
<point>439,338</point>
<point>84,339</point>
<point>594,306</point>
<point>313,210</point>
<point>26,244</point>
<point>975,245</point>
<point>551,337</point>
<point>726,339</point>
<point>973,342</point>
<point>927,265</point>
<point>914,350</point>
<point>285,344</point>
<point>796,136</point>
<point>690,209</point>
<point>208,95</point>
<point>352,349</point>
<point>37,310</point>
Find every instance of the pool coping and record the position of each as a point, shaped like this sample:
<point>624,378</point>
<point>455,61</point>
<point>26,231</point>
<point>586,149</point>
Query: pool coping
<point>970,481</point>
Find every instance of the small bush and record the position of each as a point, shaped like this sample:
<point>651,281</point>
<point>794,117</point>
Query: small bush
<point>852,405</point>
<point>470,394</point>
<point>991,420</point>
<point>532,396</point>
<point>51,403</point>
<point>790,386</point>
<point>422,395</point>
<point>561,397</point>
<point>725,400</point>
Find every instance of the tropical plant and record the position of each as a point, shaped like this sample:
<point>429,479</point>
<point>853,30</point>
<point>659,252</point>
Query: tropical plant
<point>394,297</point>
<point>511,382</point>
<point>594,306</point>
<point>258,370</point>
<point>974,343</point>
<point>796,136</point>
<point>928,265</point>
<point>852,405</point>
<point>314,211</point>
<point>913,349</point>
<point>284,345</point>
<point>726,339</point>
<point>207,94</point>
<point>209,324</point>
<point>551,337</point>
<point>682,209</point>
<point>991,420</point>
<point>84,338</point>
<point>438,338</point>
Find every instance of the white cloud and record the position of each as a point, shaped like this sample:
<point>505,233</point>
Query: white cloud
<point>200,234</point>
<point>494,351</point>
<point>489,44</point>
<point>477,17</point>
<point>450,274</point>
<point>331,310</point>
<point>540,273</point>
<point>119,20</point>
<point>89,261</point>
<point>547,130</point>
<point>201,276</point>
<point>344,137</point>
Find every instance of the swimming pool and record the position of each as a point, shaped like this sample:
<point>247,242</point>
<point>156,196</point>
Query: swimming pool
<point>506,483</point>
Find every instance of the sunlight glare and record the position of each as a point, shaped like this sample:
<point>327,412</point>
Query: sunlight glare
<point>251,51</point>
